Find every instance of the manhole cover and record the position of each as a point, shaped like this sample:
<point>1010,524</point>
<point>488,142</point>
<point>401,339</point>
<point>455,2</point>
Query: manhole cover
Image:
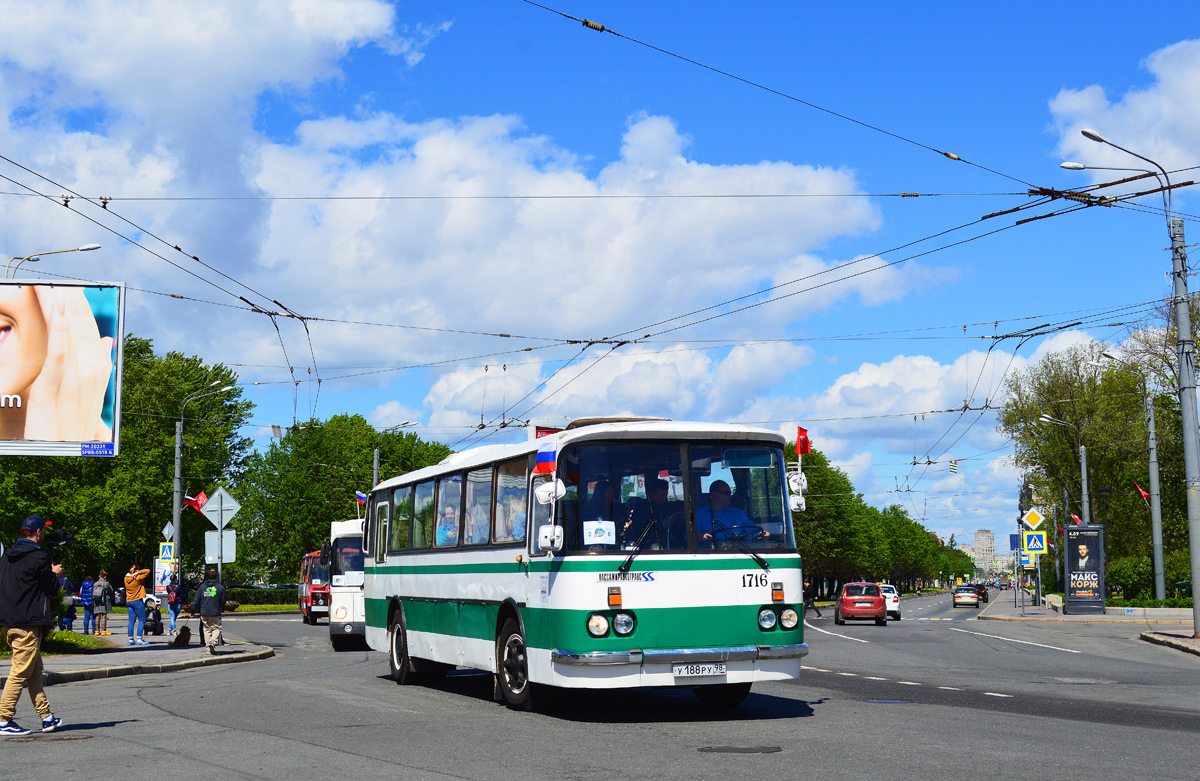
<point>32,738</point>
<point>890,702</point>
<point>740,749</point>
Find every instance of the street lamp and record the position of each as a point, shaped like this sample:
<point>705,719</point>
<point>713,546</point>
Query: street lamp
<point>177,498</point>
<point>33,258</point>
<point>1186,373</point>
<point>1160,582</point>
<point>1082,463</point>
<point>379,445</point>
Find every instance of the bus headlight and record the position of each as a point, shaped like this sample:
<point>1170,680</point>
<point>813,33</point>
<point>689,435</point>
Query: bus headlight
<point>766,618</point>
<point>622,624</point>
<point>789,618</point>
<point>597,625</point>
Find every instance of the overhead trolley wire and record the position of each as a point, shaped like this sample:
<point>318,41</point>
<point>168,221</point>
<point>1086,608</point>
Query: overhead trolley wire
<point>591,25</point>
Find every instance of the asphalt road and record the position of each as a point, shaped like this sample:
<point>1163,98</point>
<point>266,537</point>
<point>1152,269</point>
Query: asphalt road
<point>938,694</point>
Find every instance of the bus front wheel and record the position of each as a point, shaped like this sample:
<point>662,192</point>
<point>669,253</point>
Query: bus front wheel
<point>722,695</point>
<point>512,662</point>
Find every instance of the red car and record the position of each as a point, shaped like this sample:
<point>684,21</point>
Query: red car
<point>860,601</point>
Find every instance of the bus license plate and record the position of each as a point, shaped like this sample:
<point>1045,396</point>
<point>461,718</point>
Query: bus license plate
<point>698,670</point>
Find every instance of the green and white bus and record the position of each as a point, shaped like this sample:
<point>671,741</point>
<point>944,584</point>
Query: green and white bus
<point>615,553</point>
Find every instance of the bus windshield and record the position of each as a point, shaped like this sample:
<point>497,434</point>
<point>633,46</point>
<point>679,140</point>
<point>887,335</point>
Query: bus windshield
<point>347,556</point>
<point>638,496</point>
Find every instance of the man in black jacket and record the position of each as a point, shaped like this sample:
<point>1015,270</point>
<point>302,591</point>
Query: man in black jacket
<point>28,583</point>
<point>210,602</point>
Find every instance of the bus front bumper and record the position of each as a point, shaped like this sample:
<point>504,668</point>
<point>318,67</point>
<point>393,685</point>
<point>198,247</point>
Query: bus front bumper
<point>740,653</point>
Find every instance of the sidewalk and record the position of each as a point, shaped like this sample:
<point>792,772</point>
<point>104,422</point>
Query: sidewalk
<point>157,657</point>
<point>1001,608</point>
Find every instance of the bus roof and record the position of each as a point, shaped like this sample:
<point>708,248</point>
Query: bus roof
<point>625,429</point>
<point>350,528</point>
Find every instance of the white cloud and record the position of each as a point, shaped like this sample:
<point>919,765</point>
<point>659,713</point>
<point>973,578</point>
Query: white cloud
<point>1158,121</point>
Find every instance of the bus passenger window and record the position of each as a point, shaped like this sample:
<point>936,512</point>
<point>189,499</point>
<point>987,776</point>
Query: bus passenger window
<point>510,501</point>
<point>479,507</point>
<point>424,511</point>
<point>449,505</point>
<point>401,517</point>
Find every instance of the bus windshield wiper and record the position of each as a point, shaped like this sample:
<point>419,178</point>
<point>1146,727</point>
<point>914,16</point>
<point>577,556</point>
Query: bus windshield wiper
<point>741,546</point>
<point>637,545</point>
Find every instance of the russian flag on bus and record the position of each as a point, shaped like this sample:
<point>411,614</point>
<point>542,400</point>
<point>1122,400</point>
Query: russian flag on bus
<point>547,456</point>
<point>361,497</point>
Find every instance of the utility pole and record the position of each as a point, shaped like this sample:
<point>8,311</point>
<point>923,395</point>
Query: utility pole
<point>1160,580</point>
<point>1187,406</point>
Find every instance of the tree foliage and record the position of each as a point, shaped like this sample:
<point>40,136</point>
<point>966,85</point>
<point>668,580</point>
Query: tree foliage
<point>841,538</point>
<point>1105,412</point>
<point>118,506</point>
<point>292,491</point>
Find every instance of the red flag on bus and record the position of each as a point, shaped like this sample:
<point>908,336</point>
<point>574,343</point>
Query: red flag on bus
<point>803,446</point>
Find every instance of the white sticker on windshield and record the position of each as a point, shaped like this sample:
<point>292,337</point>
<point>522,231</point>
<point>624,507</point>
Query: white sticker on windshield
<point>599,533</point>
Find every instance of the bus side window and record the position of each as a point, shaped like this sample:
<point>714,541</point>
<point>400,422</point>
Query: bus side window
<point>509,512</point>
<point>382,499</point>
<point>478,510</point>
<point>423,515</point>
<point>401,517</point>
<point>450,516</point>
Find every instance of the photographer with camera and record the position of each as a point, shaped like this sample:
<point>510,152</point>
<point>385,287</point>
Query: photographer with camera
<point>135,603</point>
<point>28,583</point>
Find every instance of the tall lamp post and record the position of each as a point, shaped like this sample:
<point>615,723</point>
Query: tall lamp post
<point>1160,582</point>
<point>1186,373</point>
<point>33,258</point>
<point>1082,464</point>
<point>379,445</point>
<point>177,498</point>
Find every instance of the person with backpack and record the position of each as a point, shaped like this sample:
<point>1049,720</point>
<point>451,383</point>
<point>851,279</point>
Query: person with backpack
<point>102,602</point>
<point>86,599</point>
<point>177,595</point>
<point>67,587</point>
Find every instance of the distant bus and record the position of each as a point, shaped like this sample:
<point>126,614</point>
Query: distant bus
<point>658,553</point>
<point>313,594</point>
<point>346,617</point>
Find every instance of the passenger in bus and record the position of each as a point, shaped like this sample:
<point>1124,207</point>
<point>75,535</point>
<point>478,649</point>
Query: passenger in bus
<point>663,534</point>
<point>599,506</point>
<point>718,521</point>
<point>516,517</point>
<point>477,532</point>
<point>503,524</point>
<point>447,528</point>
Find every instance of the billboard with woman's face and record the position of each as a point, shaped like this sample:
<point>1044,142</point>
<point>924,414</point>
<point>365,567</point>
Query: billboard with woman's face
<point>60,367</point>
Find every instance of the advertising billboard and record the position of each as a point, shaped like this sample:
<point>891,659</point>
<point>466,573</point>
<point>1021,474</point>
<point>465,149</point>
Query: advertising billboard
<point>60,367</point>
<point>1084,546</point>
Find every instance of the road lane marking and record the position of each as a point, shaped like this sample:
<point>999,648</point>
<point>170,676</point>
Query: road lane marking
<point>910,683</point>
<point>874,678</point>
<point>835,634</point>
<point>994,694</point>
<point>950,688</point>
<point>852,675</point>
<point>1009,639</point>
<point>816,669</point>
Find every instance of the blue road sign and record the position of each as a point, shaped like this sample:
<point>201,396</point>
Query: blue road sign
<point>1014,542</point>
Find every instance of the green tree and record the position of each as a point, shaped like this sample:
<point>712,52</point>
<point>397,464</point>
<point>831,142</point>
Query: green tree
<point>118,506</point>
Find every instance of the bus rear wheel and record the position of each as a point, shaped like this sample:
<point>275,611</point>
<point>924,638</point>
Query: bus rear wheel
<point>512,663</point>
<point>722,695</point>
<point>398,658</point>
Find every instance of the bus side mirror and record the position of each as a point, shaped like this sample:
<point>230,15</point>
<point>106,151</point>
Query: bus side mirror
<point>797,482</point>
<point>548,492</point>
<point>550,537</point>
<point>796,502</point>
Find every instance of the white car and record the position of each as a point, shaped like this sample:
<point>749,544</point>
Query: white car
<point>891,599</point>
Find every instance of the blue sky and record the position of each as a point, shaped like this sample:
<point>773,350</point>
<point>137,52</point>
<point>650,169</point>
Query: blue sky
<point>243,101</point>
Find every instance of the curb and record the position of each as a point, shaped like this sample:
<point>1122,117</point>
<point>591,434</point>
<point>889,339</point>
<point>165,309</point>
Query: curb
<point>94,673</point>
<point>1152,637</point>
<point>1156,622</point>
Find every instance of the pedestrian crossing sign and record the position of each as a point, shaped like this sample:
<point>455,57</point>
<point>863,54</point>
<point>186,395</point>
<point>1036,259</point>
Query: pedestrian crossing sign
<point>166,551</point>
<point>1033,542</point>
